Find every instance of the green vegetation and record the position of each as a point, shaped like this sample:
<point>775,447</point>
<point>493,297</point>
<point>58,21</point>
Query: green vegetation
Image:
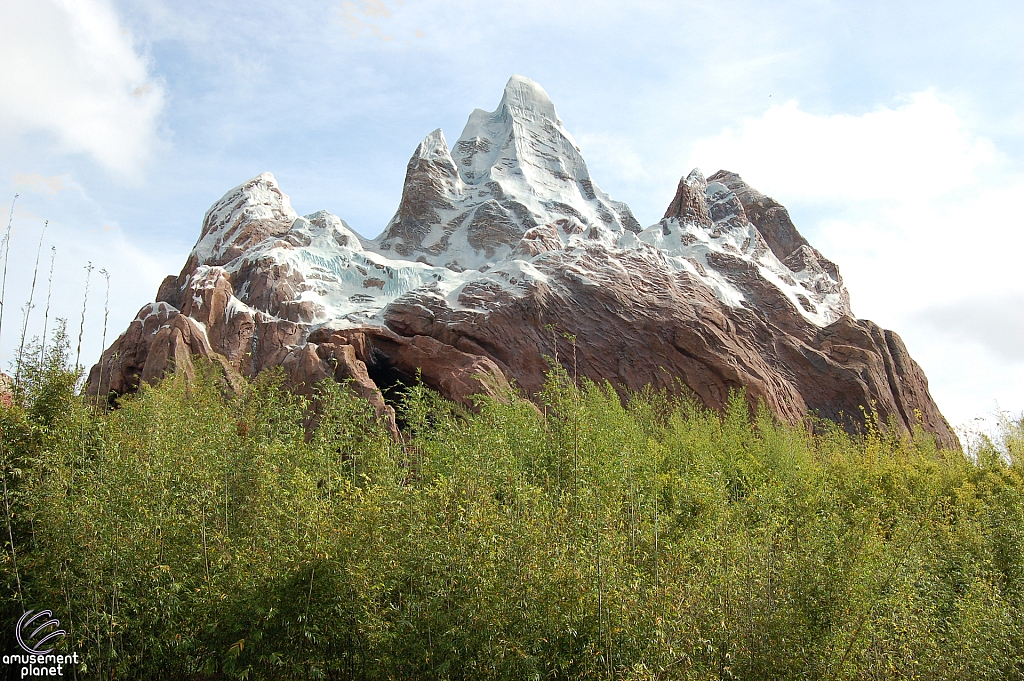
<point>194,534</point>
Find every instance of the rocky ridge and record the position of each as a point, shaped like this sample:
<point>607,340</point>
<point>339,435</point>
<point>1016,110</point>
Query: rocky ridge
<point>500,250</point>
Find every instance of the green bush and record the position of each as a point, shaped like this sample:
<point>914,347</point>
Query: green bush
<point>194,534</point>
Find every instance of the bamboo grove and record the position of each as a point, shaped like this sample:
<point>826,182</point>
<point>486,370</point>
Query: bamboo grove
<point>196,533</point>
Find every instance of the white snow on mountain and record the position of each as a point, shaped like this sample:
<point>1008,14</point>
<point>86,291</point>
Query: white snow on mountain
<point>511,169</point>
<point>463,214</point>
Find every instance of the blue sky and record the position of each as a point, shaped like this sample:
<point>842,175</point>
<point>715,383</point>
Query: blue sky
<point>894,133</point>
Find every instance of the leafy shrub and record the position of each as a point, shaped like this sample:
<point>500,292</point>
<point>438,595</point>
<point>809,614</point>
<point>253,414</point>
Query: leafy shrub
<point>194,534</point>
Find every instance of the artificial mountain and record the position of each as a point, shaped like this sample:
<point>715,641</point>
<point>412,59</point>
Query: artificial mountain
<point>504,256</point>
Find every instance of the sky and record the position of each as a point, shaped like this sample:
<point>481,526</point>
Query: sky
<point>893,133</point>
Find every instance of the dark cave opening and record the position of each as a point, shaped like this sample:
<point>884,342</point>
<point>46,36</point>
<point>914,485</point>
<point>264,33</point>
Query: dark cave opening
<point>391,381</point>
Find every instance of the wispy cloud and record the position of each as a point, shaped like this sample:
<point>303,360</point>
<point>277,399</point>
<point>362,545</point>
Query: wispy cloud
<point>72,72</point>
<point>370,16</point>
<point>34,182</point>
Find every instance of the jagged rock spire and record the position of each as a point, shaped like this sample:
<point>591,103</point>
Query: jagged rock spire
<point>690,204</point>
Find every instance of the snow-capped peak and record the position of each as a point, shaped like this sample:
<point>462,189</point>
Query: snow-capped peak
<point>524,98</point>
<point>696,178</point>
<point>242,217</point>
<point>523,134</point>
<point>511,170</point>
<point>434,147</point>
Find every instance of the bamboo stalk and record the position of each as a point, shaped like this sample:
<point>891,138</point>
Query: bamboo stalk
<point>103,343</point>
<point>10,535</point>
<point>656,576</point>
<point>206,555</point>
<point>28,309</point>
<point>6,245</point>
<point>81,328</point>
<point>46,315</point>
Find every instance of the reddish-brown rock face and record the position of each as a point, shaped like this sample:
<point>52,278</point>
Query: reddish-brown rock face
<point>6,390</point>
<point>482,277</point>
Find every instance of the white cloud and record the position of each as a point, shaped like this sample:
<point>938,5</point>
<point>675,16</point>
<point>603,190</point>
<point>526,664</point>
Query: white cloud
<point>944,273</point>
<point>921,147</point>
<point>996,323</point>
<point>70,70</point>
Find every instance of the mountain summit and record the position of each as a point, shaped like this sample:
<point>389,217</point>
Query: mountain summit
<point>511,170</point>
<point>503,247</point>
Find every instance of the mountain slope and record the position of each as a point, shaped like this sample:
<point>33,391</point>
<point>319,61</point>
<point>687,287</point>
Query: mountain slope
<point>501,249</point>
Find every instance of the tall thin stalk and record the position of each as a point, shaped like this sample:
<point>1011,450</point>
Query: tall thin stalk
<point>46,315</point>
<point>206,554</point>
<point>28,309</point>
<point>10,536</point>
<point>657,581</point>
<point>81,328</point>
<point>6,245</point>
<point>103,343</point>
